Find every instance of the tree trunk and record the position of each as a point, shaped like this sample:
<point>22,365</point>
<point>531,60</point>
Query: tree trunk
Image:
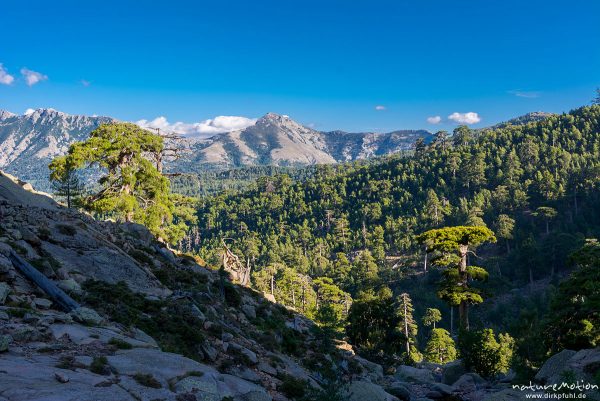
<point>425,260</point>
<point>463,308</point>
<point>54,293</point>
<point>406,331</point>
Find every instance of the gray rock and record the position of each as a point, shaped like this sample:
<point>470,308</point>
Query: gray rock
<point>414,375</point>
<point>27,334</point>
<point>33,378</point>
<point>61,377</point>
<point>442,388</point>
<point>375,370</point>
<point>244,373</point>
<point>468,382</point>
<point>4,341</point>
<point>209,351</point>
<point>363,390</point>
<point>554,367</point>
<point>42,303</point>
<point>226,336</point>
<point>251,356</point>
<point>4,291</point>
<point>249,311</point>
<point>87,316</point>
<point>144,360</point>
<point>453,371</point>
<point>399,390</point>
<point>5,265</point>
<point>4,315</point>
<point>70,286</point>
<point>268,369</point>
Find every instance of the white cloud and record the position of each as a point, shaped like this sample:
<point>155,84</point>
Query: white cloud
<point>204,128</point>
<point>434,119</point>
<point>85,83</point>
<point>32,77</point>
<point>5,77</point>
<point>380,107</point>
<point>525,94</point>
<point>28,112</point>
<point>465,118</point>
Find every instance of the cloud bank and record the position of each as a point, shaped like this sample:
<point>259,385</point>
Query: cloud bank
<point>204,128</point>
<point>465,118</point>
<point>434,120</point>
<point>5,77</point>
<point>380,107</point>
<point>32,77</point>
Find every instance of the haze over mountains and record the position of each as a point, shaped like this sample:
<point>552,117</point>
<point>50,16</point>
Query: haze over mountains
<point>29,142</point>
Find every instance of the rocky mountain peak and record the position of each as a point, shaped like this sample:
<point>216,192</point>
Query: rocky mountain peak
<point>280,120</point>
<point>4,114</point>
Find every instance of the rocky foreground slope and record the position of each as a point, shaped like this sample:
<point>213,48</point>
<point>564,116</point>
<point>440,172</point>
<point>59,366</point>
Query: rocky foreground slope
<point>154,325</point>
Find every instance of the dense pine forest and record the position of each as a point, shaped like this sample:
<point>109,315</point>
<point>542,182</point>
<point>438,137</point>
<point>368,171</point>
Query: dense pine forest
<point>346,247</point>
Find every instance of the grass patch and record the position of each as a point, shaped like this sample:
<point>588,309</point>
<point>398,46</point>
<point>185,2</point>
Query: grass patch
<point>66,229</point>
<point>100,366</point>
<point>293,388</point>
<point>120,344</point>
<point>171,323</point>
<point>147,380</point>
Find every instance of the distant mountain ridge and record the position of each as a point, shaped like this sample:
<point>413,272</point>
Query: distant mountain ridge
<point>29,142</point>
<point>525,119</point>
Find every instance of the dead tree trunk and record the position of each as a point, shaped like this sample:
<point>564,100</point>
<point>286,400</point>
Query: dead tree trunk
<point>57,295</point>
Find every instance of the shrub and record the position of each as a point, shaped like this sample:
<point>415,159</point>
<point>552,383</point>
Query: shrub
<point>293,388</point>
<point>66,229</point>
<point>483,354</point>
<point>147,380</point>
<point>120,344</point>
<point>100,366</point>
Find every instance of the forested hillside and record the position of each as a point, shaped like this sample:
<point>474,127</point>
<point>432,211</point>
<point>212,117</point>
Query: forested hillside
<point>352,232</point>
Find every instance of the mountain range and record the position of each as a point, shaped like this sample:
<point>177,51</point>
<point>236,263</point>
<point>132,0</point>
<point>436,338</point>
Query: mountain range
<point>29,142</point>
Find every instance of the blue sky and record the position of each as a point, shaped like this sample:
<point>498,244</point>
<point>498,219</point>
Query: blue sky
<point>327,64</point>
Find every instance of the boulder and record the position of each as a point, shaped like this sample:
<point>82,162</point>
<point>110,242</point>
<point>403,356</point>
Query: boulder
<point>4,341</point>
<point>4,291</point>
<point>251,356</point>
<point>453,371</point>
<point>554,367</point>
<point>375,370</point>
<point>144,360</point>
<point>363,390</point>
<point>414,375</point>
<point>87,316</point>
<point>249,311</point>
<point>469,382</point>
<point>70,286</point>
<point>399,390</point>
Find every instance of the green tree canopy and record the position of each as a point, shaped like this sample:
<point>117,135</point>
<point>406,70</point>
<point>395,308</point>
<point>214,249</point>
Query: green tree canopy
<point>440,347</point>
<point>131,187</point>
<point>452,245</point>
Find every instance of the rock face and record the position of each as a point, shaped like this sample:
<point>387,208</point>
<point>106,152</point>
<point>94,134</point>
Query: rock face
<point>28,142</point>
<point>280,141</point>
<point>582,365</point>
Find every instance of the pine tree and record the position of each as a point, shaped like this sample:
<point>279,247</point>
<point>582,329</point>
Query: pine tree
<point>504,229</point>
<point>132,188</point>
<point>453,245</point>
<point>408,327</point>
<point>67,186</point>
<point>440,347</point>
<point>431,317</point>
